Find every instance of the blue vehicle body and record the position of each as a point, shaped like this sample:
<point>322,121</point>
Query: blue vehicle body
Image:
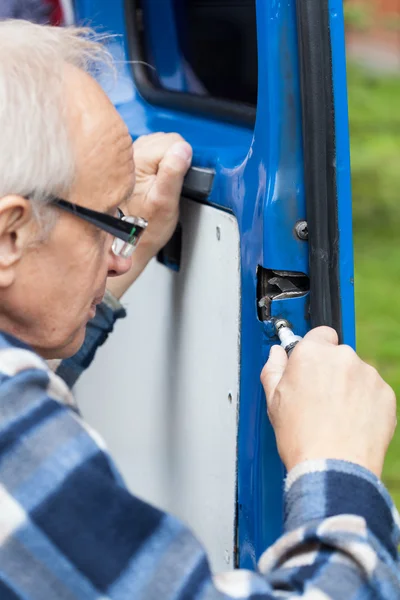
<point>259,177</point>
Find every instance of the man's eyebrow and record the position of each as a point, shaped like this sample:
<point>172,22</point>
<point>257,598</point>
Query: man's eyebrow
<point>128,194</point>
<point>122,200</point>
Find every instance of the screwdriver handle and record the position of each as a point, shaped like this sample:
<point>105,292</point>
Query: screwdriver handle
<point>289,349</point>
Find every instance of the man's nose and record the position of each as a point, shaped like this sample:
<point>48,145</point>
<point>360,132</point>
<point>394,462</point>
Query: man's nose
<point>118,265</point>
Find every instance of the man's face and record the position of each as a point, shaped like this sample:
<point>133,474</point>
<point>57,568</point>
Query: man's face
<point>60,281</point>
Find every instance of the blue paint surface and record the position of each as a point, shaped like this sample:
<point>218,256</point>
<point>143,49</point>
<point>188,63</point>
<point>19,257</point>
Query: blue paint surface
<point>164,49</point>
<point>259,177</point>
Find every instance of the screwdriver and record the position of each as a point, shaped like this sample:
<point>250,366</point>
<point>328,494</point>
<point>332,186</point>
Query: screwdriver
<point>288,339</point>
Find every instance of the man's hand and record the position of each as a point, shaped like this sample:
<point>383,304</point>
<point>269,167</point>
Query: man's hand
<point>161,163</point>
<point>325,402</point>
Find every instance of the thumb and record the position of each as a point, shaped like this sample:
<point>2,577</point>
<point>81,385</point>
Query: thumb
<point>323,335</point>
<point>273,371</point>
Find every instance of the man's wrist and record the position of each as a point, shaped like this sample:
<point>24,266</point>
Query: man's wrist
<point>97,332</point>
<point>319,489</point>
<point>335,452</point>
<point>112,302</point>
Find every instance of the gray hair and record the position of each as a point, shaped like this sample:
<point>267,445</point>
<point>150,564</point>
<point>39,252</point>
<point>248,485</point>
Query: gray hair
<point>36,155</point>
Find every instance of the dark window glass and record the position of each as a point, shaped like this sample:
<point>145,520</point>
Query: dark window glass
<point>218,39</point>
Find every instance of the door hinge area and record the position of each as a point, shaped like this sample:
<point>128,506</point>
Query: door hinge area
<point>278,285</point>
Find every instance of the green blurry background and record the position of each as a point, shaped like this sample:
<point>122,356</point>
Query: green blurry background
<point>374,107</point>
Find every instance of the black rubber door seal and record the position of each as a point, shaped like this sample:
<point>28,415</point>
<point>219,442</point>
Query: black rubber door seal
<point>318,115</point>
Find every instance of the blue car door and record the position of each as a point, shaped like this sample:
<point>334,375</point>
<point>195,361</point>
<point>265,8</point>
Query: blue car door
<point>258,88</point>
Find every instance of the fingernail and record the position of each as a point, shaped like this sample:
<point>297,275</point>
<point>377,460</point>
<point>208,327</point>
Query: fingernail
<point>183,150</point>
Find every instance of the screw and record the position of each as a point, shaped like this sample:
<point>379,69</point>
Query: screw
<point>280,323</point>
<point>301,230</point>
<point>230,398</point>
<point>287,338</point>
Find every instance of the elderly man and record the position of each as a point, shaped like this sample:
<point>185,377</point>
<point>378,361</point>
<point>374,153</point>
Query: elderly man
<point>69,527</point>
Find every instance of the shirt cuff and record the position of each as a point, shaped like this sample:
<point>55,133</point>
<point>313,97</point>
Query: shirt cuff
<point>97,331</point>
<point>319,489</point>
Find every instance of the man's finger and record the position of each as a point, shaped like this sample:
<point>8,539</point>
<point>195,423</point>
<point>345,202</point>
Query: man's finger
<point>172,170</point>
<point>273,370</point>
<point>151,149</point>
<point>323,335</point>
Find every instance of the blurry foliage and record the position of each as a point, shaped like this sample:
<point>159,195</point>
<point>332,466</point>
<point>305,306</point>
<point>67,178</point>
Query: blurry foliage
<point>375,152</point>
<point>391,23</point>
<point>361,17</point>
<point>375,144</point>
<point>358,17</point>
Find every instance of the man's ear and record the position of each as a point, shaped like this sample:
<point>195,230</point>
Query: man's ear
<point>16,228</point>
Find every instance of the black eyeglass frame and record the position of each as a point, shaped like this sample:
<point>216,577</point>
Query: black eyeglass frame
<point>130,232</point>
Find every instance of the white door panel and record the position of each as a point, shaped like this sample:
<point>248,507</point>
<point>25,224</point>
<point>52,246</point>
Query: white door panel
<point>164,390</point>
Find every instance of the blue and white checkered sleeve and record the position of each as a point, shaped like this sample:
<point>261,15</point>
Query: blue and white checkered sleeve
<point>342,533</point>
<point>70,529</point>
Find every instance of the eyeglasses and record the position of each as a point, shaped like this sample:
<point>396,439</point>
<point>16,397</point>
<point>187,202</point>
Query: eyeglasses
<point>127,231</point>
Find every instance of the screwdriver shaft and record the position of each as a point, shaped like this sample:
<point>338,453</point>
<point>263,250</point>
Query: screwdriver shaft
<point>288,339</point>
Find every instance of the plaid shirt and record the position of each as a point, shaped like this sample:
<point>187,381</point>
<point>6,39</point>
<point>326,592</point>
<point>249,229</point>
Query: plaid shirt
<point>70,529</point>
